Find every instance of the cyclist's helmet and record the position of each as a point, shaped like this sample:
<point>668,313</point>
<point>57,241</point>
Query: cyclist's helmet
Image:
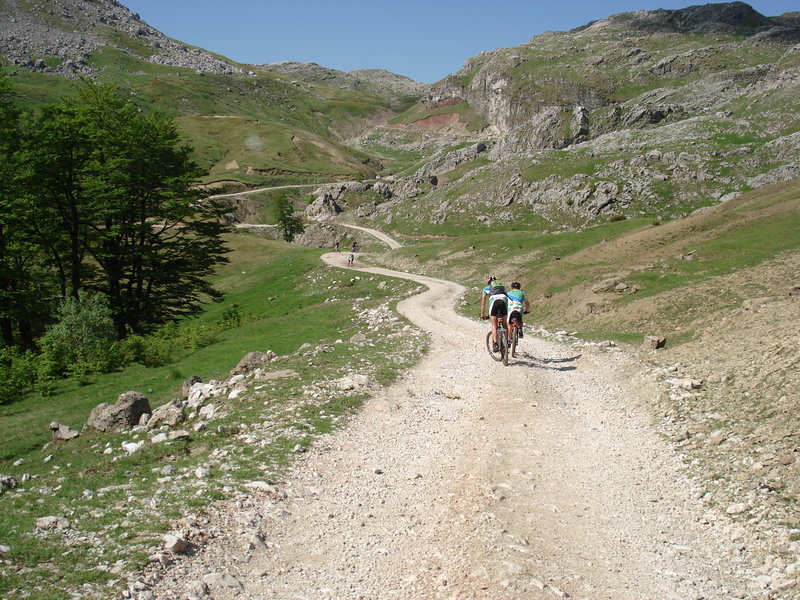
<point>515,285</point>
<point>490,280</point>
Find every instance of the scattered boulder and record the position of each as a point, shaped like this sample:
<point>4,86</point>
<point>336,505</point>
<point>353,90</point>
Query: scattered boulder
<point>187,385</point>
<point>655,342</point>
<point>7,483</point>
<point>123,414</point>
<point>199,392</point>
<point>354,381</point>
<point>171,414</point>
<point>218,582</point>
<point>687,384</point>
<point>63,432</point>
<point>131,447</point>
<point>252,361</point>
<point>52,523</point>
<point>175,543</point>
<point>606,285</point>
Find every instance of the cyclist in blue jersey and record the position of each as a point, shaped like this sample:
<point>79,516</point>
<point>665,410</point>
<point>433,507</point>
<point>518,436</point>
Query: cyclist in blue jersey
<point>517,304</point>
<point>494,297</point>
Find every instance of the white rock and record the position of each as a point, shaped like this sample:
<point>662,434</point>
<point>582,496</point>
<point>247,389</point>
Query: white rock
<point>175,543</point>
<point>735,509</point>
<point>202,473</point>
<point>235,394</point>
<point>261,486</point>
<point>130,447</point>
<point>158,438</point>
<point>4,549</point>
<point>222,581</point>
<point>207,412</point>
<point>52,523</point>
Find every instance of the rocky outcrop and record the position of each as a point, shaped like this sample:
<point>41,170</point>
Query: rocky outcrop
<point>531,103</point>
<point>323,208</point>
<point>59,36</point>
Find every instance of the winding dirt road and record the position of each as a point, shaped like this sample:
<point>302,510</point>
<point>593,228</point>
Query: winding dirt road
<point>469,480</point>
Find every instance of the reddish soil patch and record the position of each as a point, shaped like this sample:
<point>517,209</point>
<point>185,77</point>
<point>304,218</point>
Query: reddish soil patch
<point>432,123</point>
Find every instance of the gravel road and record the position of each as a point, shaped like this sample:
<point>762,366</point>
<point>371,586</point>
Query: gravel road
<point>468,479</point>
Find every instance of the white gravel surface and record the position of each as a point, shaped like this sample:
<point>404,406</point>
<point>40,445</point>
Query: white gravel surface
<point>468,479</point>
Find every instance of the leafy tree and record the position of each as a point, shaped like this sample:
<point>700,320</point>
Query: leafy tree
<point>289,224</point>
<point>112,205</point>
<point>23,282</point>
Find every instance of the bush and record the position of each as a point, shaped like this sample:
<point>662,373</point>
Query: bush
<point>17,373</point>
<point>80,342</point>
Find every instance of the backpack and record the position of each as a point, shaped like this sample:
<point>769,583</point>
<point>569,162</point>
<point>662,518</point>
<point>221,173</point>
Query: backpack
<point>497,289</point>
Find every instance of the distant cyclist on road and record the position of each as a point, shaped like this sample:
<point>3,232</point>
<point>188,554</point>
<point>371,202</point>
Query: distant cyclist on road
<point>494,298</point>
<point>517,300</point>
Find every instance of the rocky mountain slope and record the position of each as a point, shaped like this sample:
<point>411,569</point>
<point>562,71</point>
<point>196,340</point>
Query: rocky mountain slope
<point>652,112</point>
<point>58,36</point>
<point>369,80</point>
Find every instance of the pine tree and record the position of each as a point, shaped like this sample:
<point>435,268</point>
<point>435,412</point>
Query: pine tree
<point>289,224</point>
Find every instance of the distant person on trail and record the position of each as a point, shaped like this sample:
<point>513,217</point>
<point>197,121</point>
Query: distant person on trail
<point>494,298</point>
<point>336,245</point>
<point>517,301</point>
<point>354,246</point>
<point>350,260</point>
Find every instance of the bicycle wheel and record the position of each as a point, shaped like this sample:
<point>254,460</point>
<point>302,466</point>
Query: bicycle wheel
<point>502,340</point>
<point>514,339</point>
<point>495,355</point>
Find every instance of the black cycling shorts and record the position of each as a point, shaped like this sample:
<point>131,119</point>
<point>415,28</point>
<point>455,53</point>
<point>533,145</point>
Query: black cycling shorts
<point>498,309</point>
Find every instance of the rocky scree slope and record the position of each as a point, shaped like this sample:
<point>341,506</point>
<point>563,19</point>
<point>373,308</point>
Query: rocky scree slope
<point>57,36</point>
<point>653,112</point>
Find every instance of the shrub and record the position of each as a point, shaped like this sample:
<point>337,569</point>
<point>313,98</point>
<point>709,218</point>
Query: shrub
<point>17,373</point>
<point>80,342</point>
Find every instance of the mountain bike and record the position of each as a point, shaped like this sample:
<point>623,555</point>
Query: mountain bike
<point>515,326</point>
<point>502,343</point>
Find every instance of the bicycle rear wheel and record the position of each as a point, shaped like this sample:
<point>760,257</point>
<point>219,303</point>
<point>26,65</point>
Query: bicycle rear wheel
<point>495,355</point>
<point>514,339</point>
<point>502,340</point>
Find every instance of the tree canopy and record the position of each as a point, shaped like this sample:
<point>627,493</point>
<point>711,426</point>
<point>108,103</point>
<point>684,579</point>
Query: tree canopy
<point>102,201</point>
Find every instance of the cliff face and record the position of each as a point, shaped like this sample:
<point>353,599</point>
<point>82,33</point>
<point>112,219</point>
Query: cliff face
<point>629,70</point>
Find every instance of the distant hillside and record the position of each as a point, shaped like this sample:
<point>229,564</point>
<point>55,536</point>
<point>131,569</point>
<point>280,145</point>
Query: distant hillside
<point>247,124</point>
<point>368,80</point>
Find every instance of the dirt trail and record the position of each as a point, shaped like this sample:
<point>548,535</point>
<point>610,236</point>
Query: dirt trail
<point>466,479</point>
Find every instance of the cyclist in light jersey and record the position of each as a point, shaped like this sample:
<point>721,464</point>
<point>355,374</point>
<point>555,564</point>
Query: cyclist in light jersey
<point>517,301</point>
<point>494,295</point>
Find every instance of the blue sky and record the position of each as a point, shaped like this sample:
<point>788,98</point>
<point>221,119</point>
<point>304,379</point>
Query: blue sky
<point>422,39</point>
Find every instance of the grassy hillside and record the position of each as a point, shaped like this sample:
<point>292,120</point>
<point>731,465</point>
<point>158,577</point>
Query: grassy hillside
<point>269,126</point>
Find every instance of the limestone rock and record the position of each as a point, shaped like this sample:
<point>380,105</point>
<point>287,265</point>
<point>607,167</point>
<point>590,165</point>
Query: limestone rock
<point>171,414</point>
<point>175,543</point>
<point>123,414</point>
<point>252,361</point>
<point>63,432</point>
<point>187,385</point>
